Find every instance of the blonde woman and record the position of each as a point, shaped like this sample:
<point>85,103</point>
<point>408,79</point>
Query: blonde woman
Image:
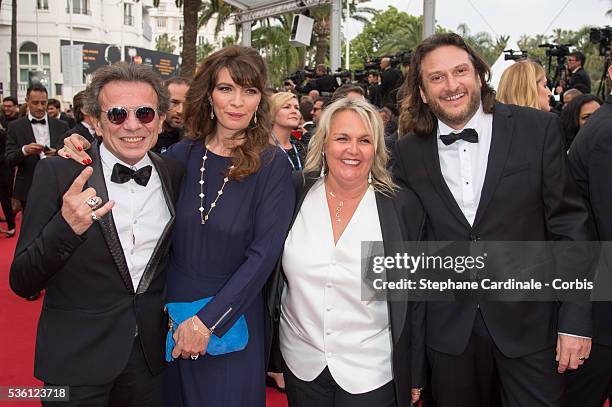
<point>285,113</point>
<point>337,349</point>
<point>524,84</point>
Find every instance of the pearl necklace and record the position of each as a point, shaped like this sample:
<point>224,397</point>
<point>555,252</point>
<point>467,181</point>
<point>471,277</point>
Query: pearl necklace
<point>204,215</point>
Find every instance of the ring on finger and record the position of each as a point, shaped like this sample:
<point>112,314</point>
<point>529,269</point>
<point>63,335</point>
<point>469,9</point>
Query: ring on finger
<point>93,202</point>
<point>195,357</point>
<point>581,358</point>
<point>94,217</point>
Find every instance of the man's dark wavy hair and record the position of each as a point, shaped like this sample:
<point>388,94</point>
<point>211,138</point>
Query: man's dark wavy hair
<point>415,115</point>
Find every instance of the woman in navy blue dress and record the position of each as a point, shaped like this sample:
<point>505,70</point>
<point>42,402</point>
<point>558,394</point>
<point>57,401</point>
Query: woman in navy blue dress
<point>232,217</point>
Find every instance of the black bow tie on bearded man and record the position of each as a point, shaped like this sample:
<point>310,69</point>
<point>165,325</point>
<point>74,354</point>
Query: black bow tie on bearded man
<point>469,135</point>
<point>35,121</point>
<point>122,174</point>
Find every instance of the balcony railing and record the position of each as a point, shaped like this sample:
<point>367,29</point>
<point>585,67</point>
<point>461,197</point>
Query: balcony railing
<point>79,10</point>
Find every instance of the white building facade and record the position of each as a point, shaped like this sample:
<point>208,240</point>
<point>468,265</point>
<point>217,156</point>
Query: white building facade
<point>44,25</point>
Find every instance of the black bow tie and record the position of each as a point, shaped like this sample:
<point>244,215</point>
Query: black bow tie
<point>469,135</point>
<point>41,121</point>
<point>122,174</point>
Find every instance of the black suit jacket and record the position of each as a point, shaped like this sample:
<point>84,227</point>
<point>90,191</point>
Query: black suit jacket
<point>528,195</point>
<point>401,219</point>
<point>78,129</point>
<point>91,311</point>
<point>580,80</point>
<point>20,133</point>
<point>390,81</point>
<point>591,159</point>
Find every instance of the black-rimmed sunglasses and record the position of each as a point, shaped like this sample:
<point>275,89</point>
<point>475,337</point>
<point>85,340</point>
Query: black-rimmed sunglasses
<point>118,114</point>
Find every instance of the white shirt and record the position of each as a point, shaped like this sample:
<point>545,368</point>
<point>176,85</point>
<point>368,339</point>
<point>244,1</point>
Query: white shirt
<point>464,164</point>
<point>41,133</point>
<point>140,213</point>
<point>91,130</point>
<point>324,322</point>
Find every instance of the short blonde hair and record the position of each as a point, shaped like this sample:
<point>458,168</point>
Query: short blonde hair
<point>277,101</point>
<point>519,84</point>
<point>315,161</point>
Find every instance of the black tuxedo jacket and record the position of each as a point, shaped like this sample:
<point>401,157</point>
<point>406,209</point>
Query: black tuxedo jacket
<point>91,311</point>
<point>78,129</point>
<point>401,219</point>
<point>20,133</point>
<point>580,80</point>
<point>528,195</point>
<point>591,159</point>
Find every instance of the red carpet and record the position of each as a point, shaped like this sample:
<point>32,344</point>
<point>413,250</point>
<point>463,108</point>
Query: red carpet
<point>18,319</point>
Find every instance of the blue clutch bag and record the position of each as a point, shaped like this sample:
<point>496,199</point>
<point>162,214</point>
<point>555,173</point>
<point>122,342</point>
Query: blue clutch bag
<point>234,340</point>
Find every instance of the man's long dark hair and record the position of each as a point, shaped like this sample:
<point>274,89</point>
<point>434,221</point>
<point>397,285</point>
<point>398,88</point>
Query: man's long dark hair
<point>415,115</point>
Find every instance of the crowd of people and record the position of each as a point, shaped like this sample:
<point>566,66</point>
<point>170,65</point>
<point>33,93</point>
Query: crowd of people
<point>192,235</point>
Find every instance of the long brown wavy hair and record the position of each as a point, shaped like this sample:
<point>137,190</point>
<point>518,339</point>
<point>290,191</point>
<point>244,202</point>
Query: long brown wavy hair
<point>415,115</point>
<point>248,69</point>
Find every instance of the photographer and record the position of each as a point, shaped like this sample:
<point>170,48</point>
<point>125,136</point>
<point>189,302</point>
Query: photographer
<point>323,82</point>
<point>390,80</point>
<point>579,78</point>
<point>373,91</point>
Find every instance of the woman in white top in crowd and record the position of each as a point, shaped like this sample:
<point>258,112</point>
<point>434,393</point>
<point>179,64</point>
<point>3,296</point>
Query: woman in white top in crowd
<point>337,349</point>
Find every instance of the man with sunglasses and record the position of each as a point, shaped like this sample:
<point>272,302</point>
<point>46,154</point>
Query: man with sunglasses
<point>101,329</point>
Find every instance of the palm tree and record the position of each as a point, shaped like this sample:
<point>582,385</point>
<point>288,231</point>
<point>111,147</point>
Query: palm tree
<point>14,49</point>
<point>322,26</point>
<point>272,39</point>
<point>190,34</point>
<point>216,9</point>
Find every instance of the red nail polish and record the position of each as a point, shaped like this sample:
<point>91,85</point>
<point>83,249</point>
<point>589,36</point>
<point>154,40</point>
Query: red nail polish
<point>79,148</point>
<point>67,155</point>
<point>85,162</point>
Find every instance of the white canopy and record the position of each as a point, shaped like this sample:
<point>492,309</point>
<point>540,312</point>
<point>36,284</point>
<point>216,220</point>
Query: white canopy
<point>500,65</point>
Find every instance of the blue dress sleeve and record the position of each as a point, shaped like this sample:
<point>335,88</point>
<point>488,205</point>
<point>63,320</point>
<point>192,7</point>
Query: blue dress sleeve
<point>273,210</point>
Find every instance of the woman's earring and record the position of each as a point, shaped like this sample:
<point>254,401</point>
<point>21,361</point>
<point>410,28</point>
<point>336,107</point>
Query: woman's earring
<point>255,117</point>
<point>212,108</point>
<point>370,178</point>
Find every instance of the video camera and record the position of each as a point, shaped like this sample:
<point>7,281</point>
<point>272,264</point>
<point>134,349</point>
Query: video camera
<point>512,55</point>
<point>298,77</point>
<point>556,50</point>
<point>601,36</point>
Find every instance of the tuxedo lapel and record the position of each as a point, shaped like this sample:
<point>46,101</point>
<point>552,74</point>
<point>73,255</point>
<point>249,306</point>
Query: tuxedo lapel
<point>28,132</point>
<point>164,239</point>
<point>391,234</point>
<point>432,165</point>
<point>106,222</point>
<point>501,140</point>
<point>55,134</point>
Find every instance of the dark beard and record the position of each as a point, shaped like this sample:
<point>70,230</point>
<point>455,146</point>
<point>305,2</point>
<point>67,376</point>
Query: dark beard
<point>458,119</point>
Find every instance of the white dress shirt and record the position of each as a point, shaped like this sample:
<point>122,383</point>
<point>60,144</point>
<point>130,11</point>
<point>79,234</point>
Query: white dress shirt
<point>41,133</point>
<point>324,322</point>
<point>140,213</point>
<point>464,164</point>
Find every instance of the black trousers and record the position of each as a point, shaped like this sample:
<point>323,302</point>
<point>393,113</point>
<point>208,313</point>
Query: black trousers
<point>323,391</point>
<point>592,383</point>
<point>6,183</point>
<point>134,387</point>
<point>483,376</point>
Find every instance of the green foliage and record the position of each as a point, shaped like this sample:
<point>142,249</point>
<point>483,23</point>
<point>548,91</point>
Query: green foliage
<point>165,43</point>
<point>203,50</point>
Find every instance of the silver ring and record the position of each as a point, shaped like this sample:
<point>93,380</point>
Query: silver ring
<point>582,358</point>
<point>195,357</point>
<point>94,217</point>
<point>94,202</point>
